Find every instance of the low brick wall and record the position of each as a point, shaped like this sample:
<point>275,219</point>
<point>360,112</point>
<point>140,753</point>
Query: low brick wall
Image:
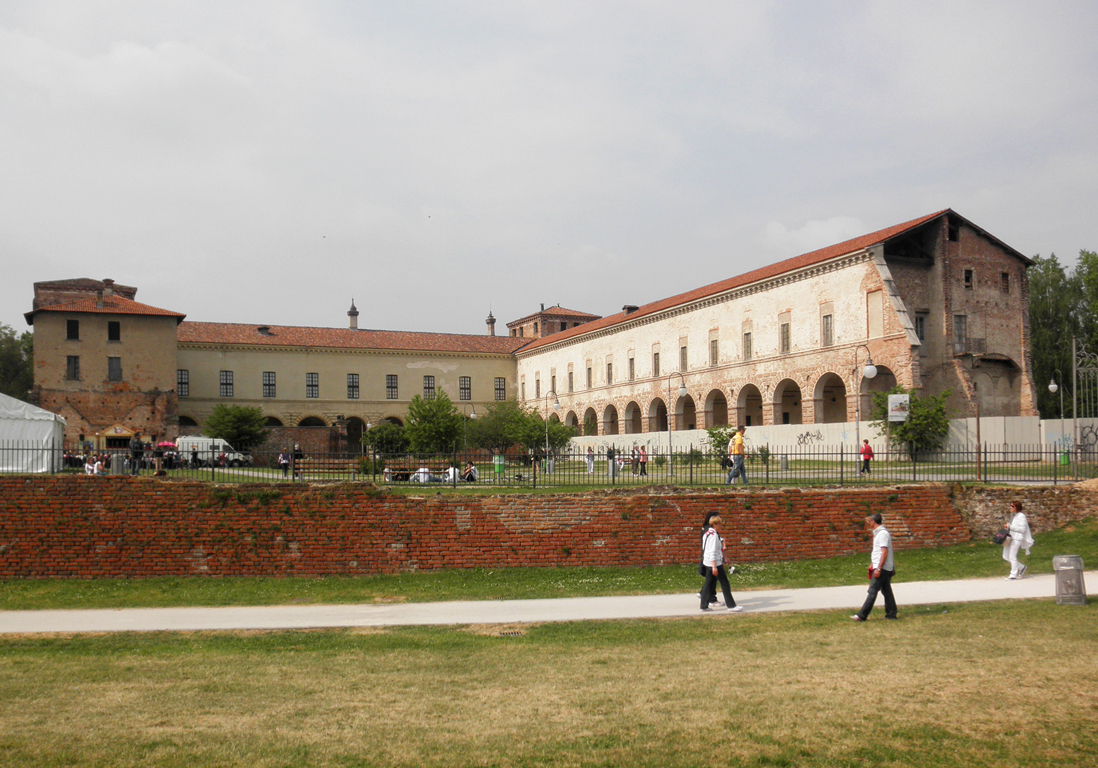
<point>88,527</point>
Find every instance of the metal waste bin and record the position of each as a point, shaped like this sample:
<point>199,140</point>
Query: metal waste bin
<point>1065,459</point>
<point>1071,589</point>
<point>783,463</point>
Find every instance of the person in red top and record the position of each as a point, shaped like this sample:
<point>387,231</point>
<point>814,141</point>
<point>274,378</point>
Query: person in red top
<point>867,456</point>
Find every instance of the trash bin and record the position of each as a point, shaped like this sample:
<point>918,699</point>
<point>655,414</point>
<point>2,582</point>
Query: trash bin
<point>784,463</point>
<point>1071,589</point>
<point>1065,459</point>
<point>498,464</point>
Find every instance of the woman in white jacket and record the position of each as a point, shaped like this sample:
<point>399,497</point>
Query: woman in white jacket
<point>1020,537</point>
<point>713,560</point>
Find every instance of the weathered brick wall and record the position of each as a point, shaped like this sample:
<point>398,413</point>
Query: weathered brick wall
<point>985,510</point>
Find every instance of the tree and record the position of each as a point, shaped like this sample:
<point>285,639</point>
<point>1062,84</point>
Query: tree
<point>719,438</point>
<point>16,362</point>
<point>241,426</point>
<point>504,425</point>
<point>927,424</point>
<point>1056,302</point>
<point>387,438</point>
<point>434,425</point>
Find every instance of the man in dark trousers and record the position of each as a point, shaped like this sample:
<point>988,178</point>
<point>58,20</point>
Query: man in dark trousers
<point>137,451</point>
<point>881,570</point>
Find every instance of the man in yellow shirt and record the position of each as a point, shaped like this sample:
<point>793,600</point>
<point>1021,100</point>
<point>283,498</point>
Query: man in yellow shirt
<point>736,453</point>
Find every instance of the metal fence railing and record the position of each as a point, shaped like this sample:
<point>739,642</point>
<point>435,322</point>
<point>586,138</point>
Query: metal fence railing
<point>691,466</point>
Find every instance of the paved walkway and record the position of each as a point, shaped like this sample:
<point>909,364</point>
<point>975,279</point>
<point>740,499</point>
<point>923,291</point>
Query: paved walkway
<point>517,611</point>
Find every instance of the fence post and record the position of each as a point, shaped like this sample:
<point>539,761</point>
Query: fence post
<point>691,463</point>
<point>842,461</point>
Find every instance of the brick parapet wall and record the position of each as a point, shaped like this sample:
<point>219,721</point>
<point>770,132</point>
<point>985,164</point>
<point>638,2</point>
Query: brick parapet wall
<point>122,527</point>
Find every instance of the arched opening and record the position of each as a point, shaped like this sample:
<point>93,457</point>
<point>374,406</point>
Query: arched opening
<point>657,416</point>
<point>187,421</point>
<point>590,422</point>
<point>749,406</point>
<point>882,382</point>
<point>554,418</point>
<point>394,420</point>
<point>716,409</point>
<point>610,420</point>
<point>787,402</point>
<point>312,421</point>
<point>273,422</point>
<point>571,420</point>
<point>829,398</point>
<point>633,419</point>
<point>355,429</point>
<point>686,415</point>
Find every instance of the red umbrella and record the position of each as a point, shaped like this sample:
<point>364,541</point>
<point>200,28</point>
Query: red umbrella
<point>166,444</point>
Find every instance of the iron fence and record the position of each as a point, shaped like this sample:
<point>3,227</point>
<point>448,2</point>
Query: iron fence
<point>690,466</point>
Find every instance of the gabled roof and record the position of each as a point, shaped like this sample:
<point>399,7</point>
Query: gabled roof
<point>342,338</point>
<point>763,273</point>
<point>111,305</point>
<point>557,311</point>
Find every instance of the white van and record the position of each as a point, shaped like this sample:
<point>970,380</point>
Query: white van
<point>209,451</point>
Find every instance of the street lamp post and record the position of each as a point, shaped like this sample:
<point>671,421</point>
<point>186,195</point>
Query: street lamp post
<point>465,424</point>
<point>1053,387</point>
<point>869,372</point>
<point>670,428</point>
<point>556,407</point>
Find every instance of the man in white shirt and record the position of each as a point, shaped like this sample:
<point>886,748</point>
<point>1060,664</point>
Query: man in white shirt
<point>881,570</point>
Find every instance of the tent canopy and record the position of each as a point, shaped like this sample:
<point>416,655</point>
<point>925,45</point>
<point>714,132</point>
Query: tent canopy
<point>31,438</point>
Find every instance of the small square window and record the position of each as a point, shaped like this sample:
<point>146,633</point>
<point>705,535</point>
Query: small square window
<point>72,330</point>
<point>969,279</point>
<point>114,330</point>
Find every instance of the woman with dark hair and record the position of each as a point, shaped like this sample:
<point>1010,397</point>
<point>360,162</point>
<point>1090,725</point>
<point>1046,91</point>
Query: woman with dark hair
<point>701,564</point>
<point>713,561</point>
<point>1020,538</point>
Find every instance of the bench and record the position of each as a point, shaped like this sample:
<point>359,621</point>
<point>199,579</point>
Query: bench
<point>327,467</point>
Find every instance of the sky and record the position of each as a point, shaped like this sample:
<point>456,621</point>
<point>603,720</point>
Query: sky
<point>268,161</point>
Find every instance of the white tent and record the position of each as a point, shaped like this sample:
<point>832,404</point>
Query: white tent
<point>31,439</point>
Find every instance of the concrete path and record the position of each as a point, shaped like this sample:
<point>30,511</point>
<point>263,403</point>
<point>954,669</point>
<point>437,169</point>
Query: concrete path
<point>517,611</point>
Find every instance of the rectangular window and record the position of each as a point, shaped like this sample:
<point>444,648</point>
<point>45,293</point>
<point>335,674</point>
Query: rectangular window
<point>571,381</point>
<point>960,334</point>
<point>72,368</point>
<point>428,387</point>
<point>783,339</point>
<point>537,387</point>
<point>114,369</point>
<point>183,382</point>
<point>524,391</point>
<point>589,377</point>
<point>632,369</point>
<point>655,363</point>
<point>114,330</point>
<point>747,346</point>
<point>920,327</point>
<point>609,373</point>
<point>826,336</point>
<point>391,391</point>
<point>501,388</point>
<point>969,280</point>
<point>312,385</point>
<point>1004,282</point>
<point>714,351</point>
<point>682,358</point>
<point>465,388</point>
<point>352,386</point>
<point>72,330</point>
<point>269,388</point>
<point>553,384</point>
<point>225,384</point>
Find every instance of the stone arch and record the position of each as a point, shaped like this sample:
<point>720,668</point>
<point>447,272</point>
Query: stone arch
<point>571,420</point>
<point>274,421</point>
<point>590,422</point>
<point>686,413</point>
<point>187,421</point>
<point>882,382</point>
<point>356,427</point>
<point>749,406</point>
<point>829,399</point>
<point>657,415</point>
<point>716,409</point>
<point>632,423</point>
<point>786,402</point>
<point>554,417</point>
<point>610,420</point>
<point>312,421</point>
<point>394,420</point>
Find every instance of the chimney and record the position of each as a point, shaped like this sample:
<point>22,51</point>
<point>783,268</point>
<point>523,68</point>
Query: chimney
<point>491,321</point>
<point>543,306</point>
<point>99,299</point>
<point>264,330</point>
<point>630,309</point>
<point>353,314</point>
<point>108,287</point>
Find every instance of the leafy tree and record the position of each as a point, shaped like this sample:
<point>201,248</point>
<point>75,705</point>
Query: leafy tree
<point>387,438</point>
<point>241,426</point>
<point>1056,302</point>
<point>504,425</point>
<point>16,362</point>
<point>434,425</point>
<point>718,439</point>
<point>559,434</point>
<point>927,424</point>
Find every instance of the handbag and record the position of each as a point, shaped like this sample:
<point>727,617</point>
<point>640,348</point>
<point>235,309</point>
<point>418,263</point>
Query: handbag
<point>1001,535</point>
<point>702,570</point>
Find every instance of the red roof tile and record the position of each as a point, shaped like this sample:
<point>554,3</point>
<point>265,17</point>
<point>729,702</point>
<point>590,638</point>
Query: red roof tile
<point>343,338</point>
<point>763,273</point>
<point>112,305</point>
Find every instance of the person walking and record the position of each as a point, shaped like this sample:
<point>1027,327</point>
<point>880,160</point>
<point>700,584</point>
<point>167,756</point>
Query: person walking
<point>713,561</point>
<point>643,461</point>
<point>284,462</point>
<point>702,570</point>
<point>881,570</point>
<point>590,460</point>
<point>867,456</point>
<point>137,451</point>
<point>298,455</point>
<point>634,459</point>
<point>1020,536</point>
<point>736,453</point>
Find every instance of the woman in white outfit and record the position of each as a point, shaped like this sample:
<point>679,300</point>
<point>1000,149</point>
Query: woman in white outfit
<point>1020,537</point>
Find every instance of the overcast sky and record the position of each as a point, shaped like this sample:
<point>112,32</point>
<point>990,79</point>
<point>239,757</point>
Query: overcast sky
<point>264,162</point>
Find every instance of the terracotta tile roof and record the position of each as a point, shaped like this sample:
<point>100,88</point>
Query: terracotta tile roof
<point>763,273</point>
<point>112,305</point>
<point>557,311</point>
<point>342,338</point>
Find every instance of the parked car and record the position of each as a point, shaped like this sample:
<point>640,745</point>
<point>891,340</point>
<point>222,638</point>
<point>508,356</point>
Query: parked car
<point>210,450</point>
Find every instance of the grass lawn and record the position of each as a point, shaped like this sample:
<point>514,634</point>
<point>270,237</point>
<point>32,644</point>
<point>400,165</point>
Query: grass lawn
<point>996,684</point>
